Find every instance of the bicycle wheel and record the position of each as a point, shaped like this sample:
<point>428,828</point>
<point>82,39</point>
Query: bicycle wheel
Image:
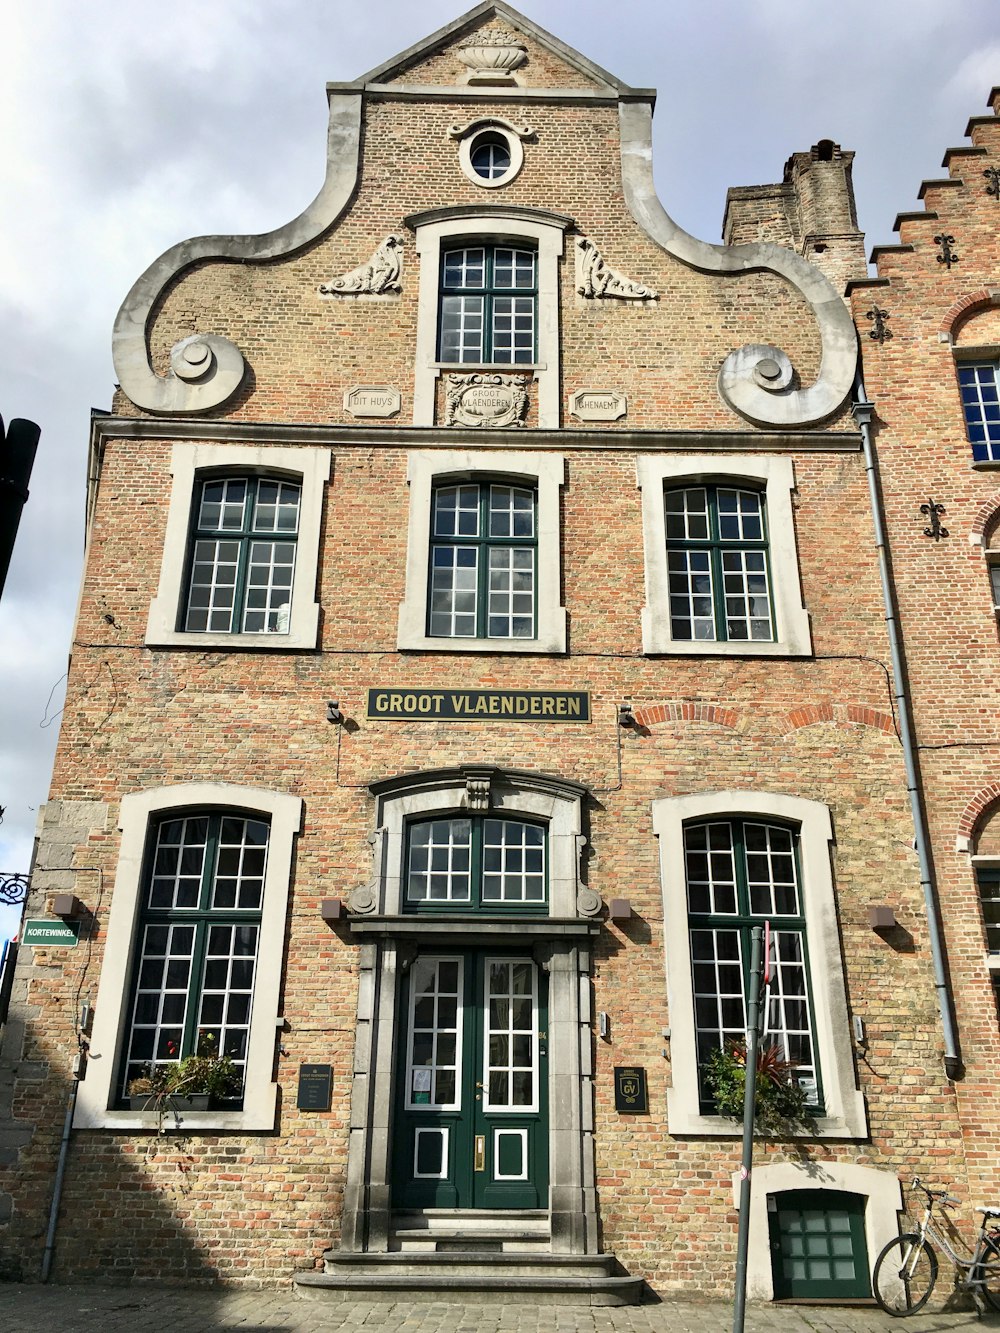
<point>904,1275</point>
<point>990,1278</point>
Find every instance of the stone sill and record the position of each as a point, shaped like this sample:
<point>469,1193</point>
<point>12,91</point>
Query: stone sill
<point>473,927</point>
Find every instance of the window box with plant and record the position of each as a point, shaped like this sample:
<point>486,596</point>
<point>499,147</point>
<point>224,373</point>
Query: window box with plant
<point>199,1082</point>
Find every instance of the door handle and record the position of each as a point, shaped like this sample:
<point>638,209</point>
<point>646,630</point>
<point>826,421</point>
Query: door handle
<point>479,1158</point>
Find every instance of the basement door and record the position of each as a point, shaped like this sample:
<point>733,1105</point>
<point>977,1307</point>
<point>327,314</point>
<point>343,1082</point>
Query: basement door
<point>472,1105</point>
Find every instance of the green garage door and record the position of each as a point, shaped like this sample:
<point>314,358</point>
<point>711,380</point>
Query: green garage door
<point>818,1249</point>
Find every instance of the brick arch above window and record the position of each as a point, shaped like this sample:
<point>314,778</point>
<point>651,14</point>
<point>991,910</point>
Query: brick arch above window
<point>965,308</point>
<point>985,529</point>
<point>979,822</point>
<point>684,710</point>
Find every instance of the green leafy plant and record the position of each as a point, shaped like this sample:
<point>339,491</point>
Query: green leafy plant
<point>205,1073</point>
<point>780,1104</point>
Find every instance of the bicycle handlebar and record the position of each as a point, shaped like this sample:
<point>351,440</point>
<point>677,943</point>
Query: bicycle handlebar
<point>941,1197</point>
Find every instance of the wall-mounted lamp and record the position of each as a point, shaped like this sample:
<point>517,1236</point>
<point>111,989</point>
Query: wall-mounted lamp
<point>626,718</point>
<point>881,917</point>
<point>619,909</point>
<point>860,1035</point>
<point>331,909</point>
<point>68,906</point>
<point>604,1026</point>
<point>334,713</point>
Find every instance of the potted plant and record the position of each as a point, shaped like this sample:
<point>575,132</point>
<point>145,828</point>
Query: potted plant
<point>780,1104</point>
<point>190,1084</point>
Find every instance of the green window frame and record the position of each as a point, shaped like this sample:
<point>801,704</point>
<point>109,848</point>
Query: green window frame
<point>488,305</point>
<point>740,873</point>
<point>718,565</point>
<point>476,863</point>
<point>483,575</point>
<point>241,555</point>
<point>198,938</point>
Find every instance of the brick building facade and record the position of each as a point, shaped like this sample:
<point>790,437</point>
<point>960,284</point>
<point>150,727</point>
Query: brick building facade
<point>481,632</point>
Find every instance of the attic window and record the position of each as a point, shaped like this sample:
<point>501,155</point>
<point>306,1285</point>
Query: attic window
<point>490,152</point>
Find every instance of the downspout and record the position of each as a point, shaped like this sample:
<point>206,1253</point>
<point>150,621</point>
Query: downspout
<point>50,1235</point>
<point>862,411</point>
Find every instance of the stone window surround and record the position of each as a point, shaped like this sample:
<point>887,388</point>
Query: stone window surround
<point>188,464</point>
<point>560,942</point>
<point>775,476</point>
<point>845,1116</point>
<point>428,468</point>
<point>435,233</point>
<point>880,1188</point>
<point>98,1093</point>
<point>496,129</point>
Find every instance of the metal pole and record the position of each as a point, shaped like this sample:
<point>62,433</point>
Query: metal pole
<point>749,1093</point>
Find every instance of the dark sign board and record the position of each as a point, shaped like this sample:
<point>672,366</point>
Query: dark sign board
<point>422,705</point>
<point>631,1096</point>
<point>315,1087</point>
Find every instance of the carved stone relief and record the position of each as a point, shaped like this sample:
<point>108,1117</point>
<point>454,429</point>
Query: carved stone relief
<point>486,400</point>
<point>594,278</point>
<point>380,276</point>
<point>492,57</point>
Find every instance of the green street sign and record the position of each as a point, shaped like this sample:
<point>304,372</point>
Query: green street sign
<point>48,931</point>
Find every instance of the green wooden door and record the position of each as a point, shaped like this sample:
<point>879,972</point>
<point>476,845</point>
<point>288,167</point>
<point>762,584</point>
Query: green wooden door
<point>818,1249</point>
<point>471,1127</point>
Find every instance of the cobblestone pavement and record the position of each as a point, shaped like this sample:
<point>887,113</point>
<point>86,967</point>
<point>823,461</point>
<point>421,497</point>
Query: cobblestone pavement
<point>80,1308</point>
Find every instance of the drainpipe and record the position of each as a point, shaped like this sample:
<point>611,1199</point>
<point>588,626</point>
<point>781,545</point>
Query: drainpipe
<point>862,411</point>
<point>50,1235</point>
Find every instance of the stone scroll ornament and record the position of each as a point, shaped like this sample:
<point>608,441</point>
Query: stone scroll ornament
<point>378,277</point>
<point>594,278</point>
<point>485,400</point>
<point>757,380</point>
<point>206,370</point>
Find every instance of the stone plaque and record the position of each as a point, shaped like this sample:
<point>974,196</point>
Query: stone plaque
<point>373,401</point>
<point>598,405</point>
<point>486,400</point>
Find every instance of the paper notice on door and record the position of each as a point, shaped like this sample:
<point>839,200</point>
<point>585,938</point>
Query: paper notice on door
<point>421,1080</point>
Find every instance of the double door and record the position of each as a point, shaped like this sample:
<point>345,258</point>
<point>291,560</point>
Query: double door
<point>471,1122</point>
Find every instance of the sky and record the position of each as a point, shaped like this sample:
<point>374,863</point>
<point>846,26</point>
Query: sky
<point>127,126</point>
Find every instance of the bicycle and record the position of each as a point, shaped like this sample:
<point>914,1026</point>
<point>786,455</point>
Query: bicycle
<point>907,1268</point>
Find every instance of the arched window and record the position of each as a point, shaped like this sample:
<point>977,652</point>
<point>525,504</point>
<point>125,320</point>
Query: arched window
<point>467,862</point>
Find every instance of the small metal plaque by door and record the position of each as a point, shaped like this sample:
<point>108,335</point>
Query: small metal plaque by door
<point>480,1153</point>
<point>631,1096</point>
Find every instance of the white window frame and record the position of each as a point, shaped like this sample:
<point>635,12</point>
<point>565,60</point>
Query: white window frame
<point>543,472</point>
<point>498,228</point>
<point>95,1107</point>
<point>774,477</point>
<point>190,464</point>
<point>845,1116</point>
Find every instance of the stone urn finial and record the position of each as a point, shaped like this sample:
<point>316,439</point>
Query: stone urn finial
<point>492,57</point>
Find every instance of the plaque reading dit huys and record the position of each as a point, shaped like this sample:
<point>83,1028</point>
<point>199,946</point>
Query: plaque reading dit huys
<point>631,1097</point>
<point>315,1087</point>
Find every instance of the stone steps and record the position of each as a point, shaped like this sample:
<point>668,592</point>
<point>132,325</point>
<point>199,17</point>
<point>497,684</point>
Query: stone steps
<point>508,1278</point>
